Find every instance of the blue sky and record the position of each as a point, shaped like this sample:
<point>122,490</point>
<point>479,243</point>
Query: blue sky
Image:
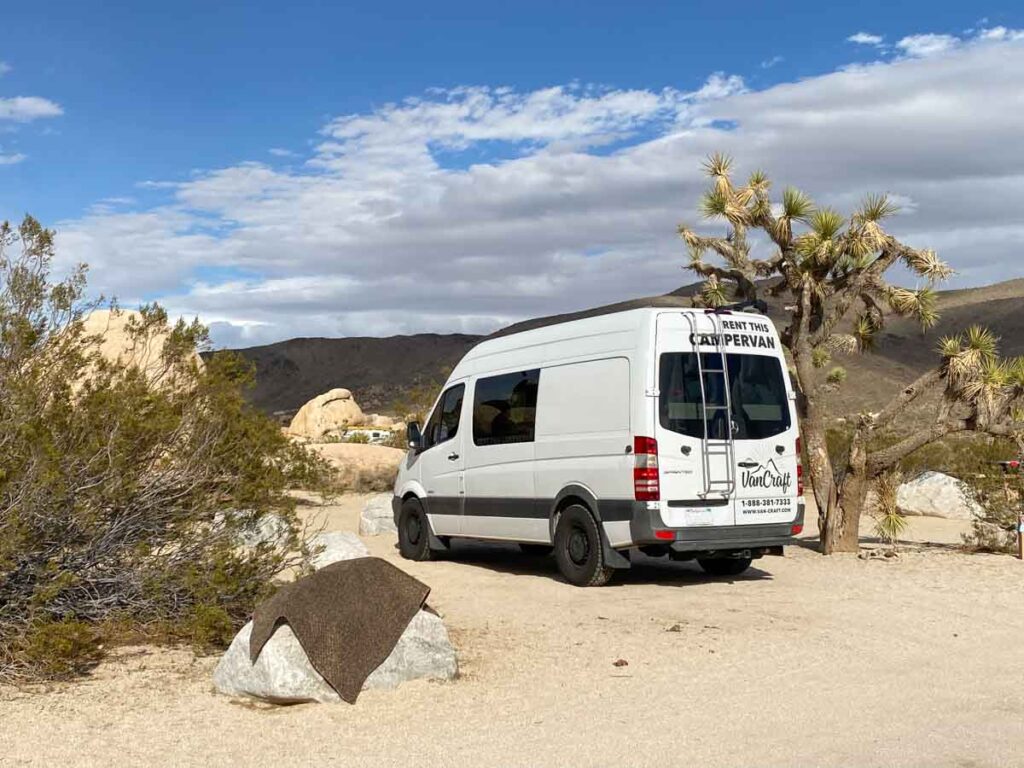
<point>202,135</point>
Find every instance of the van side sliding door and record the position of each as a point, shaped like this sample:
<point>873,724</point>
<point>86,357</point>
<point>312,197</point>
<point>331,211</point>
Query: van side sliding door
<point>500,494</point>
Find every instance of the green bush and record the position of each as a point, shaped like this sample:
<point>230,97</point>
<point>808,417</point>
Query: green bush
<point>59,649</point>
<point>138,494</point>
<point>836,376</point>
<point>995,529</point>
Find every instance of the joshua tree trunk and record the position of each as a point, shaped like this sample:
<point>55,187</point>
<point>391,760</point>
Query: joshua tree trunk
<point>853,490</point>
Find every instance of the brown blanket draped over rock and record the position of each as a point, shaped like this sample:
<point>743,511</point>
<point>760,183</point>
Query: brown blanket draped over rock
<point>347,616</point>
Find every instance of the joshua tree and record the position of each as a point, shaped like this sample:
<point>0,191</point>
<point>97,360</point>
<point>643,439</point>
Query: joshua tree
<point>831,272</point>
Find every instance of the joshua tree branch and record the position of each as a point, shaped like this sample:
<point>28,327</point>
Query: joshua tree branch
<point>879,461</point>
<point>747,288</point>
<point>924,383</point>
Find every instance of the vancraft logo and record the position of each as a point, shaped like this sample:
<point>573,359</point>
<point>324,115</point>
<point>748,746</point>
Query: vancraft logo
<point>766,476</point>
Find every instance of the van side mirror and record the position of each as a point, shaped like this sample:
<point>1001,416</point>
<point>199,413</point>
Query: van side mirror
<point>413,435</point>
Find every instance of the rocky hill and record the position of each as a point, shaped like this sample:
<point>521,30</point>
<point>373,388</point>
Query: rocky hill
<point>387,373</point>
<point>381,372</point>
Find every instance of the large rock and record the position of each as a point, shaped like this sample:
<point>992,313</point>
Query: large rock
<point>117,345</point>
<point>270,529</point>
<point>376,517</point>
<point>362,468</point>
<point>283,674</point>
<point>934,494</point>
<point>334,546</point>
<point>328,414</point>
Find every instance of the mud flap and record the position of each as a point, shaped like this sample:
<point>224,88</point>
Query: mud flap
<point>612,557</point>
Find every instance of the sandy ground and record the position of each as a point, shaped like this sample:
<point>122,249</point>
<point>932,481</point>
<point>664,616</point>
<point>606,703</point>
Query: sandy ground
<point>805,660</point>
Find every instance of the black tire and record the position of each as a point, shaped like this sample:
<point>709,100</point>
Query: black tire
<point>414,531</point>
<point>536,550</point>
<point>724,566</point>
<point>578,548</point>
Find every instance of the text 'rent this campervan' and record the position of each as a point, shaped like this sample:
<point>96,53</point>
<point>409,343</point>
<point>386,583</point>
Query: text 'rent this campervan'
<point>671,431</point>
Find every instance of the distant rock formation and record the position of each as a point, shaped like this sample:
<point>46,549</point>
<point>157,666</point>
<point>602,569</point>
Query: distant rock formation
<point>330,413</point>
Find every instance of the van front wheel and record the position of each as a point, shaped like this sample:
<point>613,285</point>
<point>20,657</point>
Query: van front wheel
<point>578,548</point>
<point>414,531</point>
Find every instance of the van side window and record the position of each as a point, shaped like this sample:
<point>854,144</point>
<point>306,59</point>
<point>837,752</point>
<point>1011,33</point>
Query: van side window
<point>444,421</point>
<point>505,408</point>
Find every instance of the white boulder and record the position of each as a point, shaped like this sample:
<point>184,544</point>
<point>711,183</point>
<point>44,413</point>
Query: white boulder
<point>934,494</point>
<point>377,517</point>
<point>332,546</point>
<point>282,672</point>
<point>328,414</point>
<point>270,529</point>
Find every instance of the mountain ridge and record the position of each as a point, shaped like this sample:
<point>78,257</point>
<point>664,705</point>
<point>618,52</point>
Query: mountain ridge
<point>386,373</point>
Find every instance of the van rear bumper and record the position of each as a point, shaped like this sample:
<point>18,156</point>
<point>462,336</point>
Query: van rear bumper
<point>718,537</point>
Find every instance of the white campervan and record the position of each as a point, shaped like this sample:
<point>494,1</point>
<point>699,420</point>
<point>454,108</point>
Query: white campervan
<point>673,431</point>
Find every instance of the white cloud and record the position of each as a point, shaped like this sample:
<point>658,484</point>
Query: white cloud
<point>465,209</point>
<point>281,152</point>
<point>12,159</point>
<point>927,45</point>
<point>865,38</point>
<point>5,68</point>
<point>23,109</point>
<point>1000,33</point>
<point>769,63</point>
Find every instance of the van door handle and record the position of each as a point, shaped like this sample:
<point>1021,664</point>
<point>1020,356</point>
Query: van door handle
<point>749,464</point>
<point>453,456</point>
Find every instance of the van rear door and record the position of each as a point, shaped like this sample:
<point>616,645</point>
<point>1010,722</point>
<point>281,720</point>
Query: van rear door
<point>726,426</point>
<point>765,437</point>
<point>679,426</point>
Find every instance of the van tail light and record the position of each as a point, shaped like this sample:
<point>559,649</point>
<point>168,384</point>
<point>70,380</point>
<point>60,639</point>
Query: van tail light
<point>799,469</point>
<point>646,485</point>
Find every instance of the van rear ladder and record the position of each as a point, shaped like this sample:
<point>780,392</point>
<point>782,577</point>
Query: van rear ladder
<point>723,483</point>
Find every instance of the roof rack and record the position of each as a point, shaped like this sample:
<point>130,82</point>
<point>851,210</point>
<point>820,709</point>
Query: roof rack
<point>758,304</point>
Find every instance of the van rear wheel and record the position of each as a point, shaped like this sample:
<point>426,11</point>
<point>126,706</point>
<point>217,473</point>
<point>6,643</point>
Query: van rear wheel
<point>724,566</point>
<point>578,548</point>
<point>414,531</point>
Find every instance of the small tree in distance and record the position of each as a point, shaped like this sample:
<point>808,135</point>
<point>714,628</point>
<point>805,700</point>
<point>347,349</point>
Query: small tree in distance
<point>832,273</point>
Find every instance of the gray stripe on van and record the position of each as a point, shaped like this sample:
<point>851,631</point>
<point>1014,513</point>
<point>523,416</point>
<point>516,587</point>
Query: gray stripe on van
<point>610,510</point>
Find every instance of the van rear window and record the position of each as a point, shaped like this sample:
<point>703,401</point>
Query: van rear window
<point>759,406</point>
<point>505,408</point>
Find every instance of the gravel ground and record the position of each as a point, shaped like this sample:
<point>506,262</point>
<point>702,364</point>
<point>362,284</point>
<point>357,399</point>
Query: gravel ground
<point>805,660</point>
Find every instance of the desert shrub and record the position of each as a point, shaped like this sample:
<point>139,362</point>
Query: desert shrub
<point>360,438</point>
<point>126,491</point>
<point>995,529</point>
<point>889,521</point>
<point>364,479</point>
<point>836,376</point>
